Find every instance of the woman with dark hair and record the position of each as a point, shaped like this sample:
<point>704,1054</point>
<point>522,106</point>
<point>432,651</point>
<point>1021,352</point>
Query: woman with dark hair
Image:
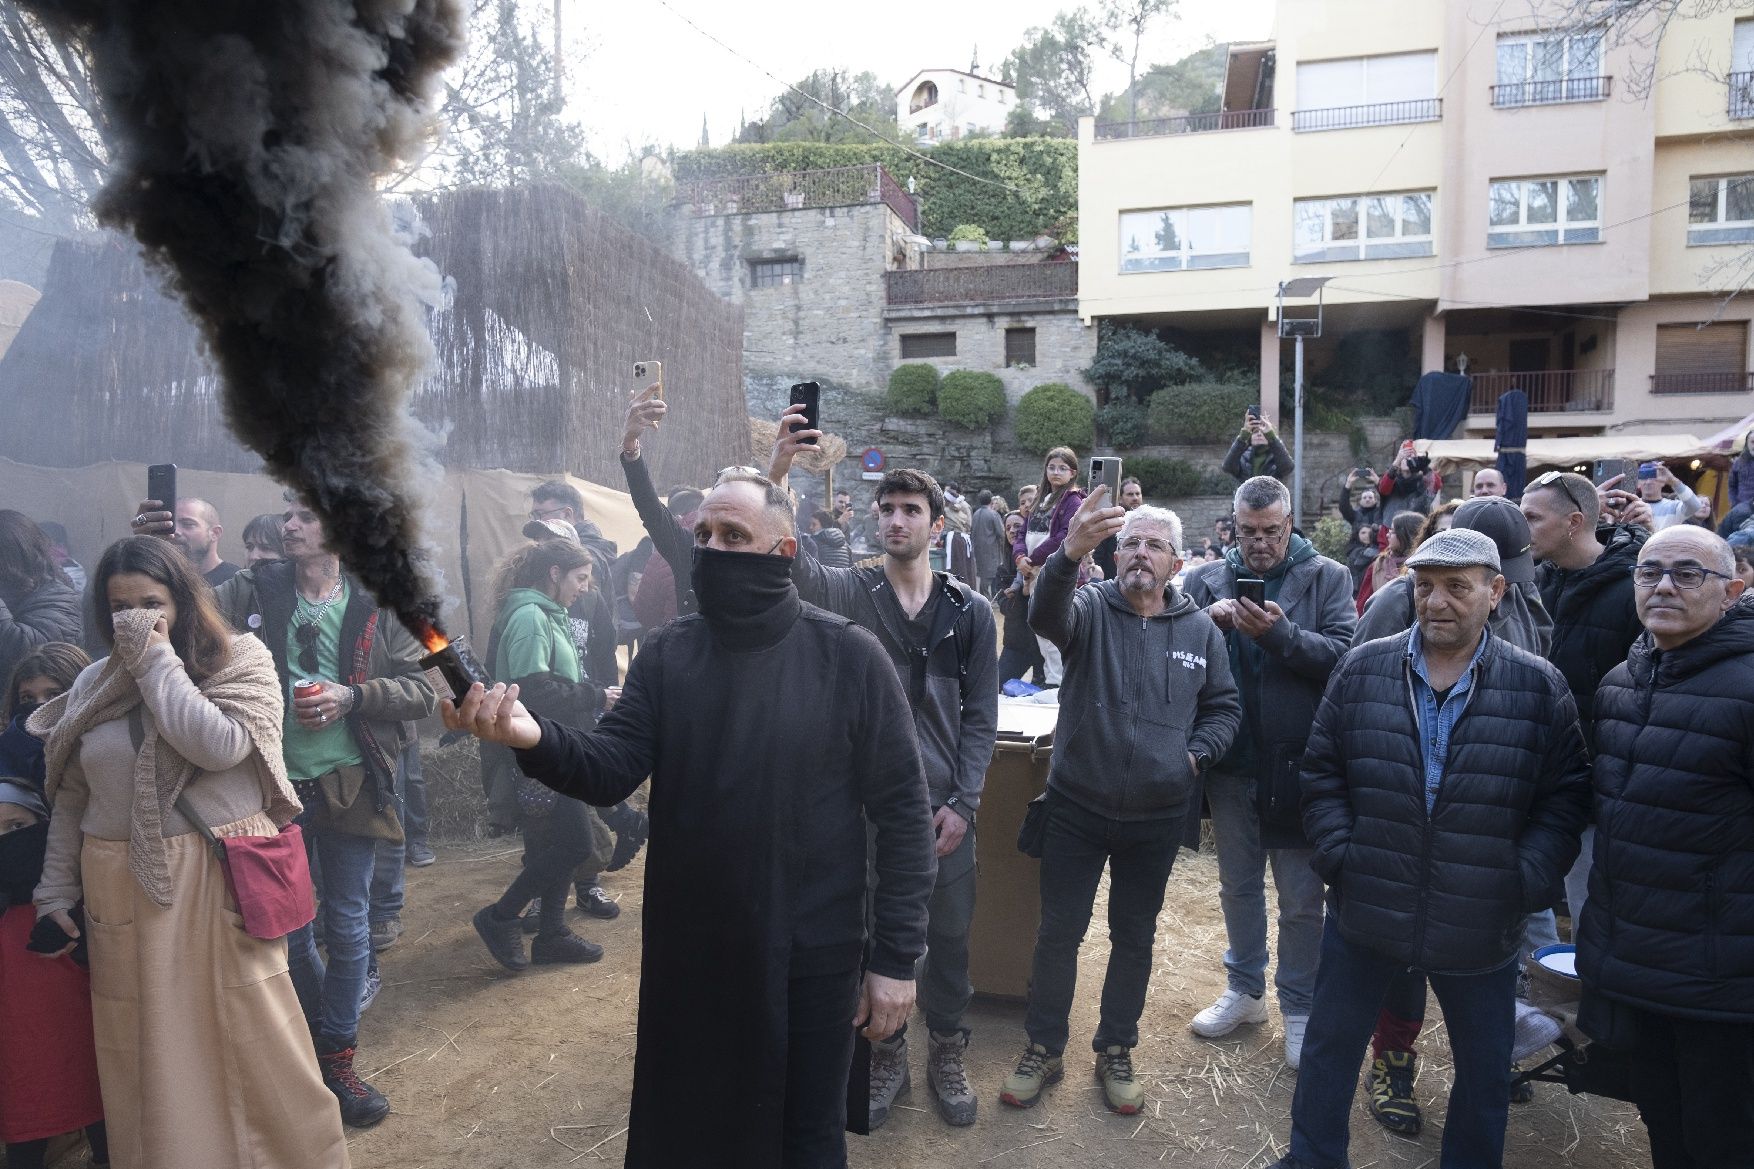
<point>262,539</point>
<point>1360,553</point>
<point>1057,499</point>
<point>532,645</point>
<point>38,604</point>
<point>203,1054</point>
<point>1403,538</point>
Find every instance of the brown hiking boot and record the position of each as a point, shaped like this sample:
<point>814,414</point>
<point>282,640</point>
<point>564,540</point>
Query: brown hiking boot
<point>947,1078</point>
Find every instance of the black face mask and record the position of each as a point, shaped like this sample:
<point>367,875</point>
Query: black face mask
<point>21,862</point>
<point>746,597</point>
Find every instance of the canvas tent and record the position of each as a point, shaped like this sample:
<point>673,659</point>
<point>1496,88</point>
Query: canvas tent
<point>1454,456</point>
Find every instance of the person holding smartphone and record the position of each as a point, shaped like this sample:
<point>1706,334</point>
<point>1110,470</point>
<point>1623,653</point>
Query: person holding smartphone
<point>1654,479</point>
<point>1257,450</point>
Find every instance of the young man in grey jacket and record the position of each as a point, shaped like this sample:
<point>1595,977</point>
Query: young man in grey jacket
<point>1147,704</point>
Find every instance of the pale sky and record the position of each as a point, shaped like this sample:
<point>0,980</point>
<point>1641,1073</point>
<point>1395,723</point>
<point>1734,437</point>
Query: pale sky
<point>646,76</point>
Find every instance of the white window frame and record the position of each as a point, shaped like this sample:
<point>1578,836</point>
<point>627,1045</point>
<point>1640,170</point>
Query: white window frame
<point>1718,230</point>
<point>1522,233</point>
<point>1146,222</point>
<point>1399,246</point>
<point>1568,85</point>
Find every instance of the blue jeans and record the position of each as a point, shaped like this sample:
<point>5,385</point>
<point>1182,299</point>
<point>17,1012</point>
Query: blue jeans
<point>1242,865</point>
<point>329,993</point>
<point>1350,987</point>
<point>389,882</point>
<point>1075,846</point>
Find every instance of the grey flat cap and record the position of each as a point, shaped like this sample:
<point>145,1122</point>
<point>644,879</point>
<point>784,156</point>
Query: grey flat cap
<point>1457,548</point>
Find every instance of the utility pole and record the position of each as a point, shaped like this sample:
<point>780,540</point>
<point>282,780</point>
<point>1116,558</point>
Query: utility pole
<point>1298,328</point>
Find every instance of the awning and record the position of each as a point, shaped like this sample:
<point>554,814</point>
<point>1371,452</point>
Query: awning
<point>1449,456</point>
<point>1729,440</point>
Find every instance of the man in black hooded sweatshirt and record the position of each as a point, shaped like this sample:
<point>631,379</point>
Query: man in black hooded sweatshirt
<point>755,879</point>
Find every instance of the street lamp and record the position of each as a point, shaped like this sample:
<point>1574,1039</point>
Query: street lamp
<point>1299,328</point>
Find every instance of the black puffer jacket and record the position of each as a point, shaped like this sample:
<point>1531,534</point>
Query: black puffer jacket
<point>49,612</point>
<point>1594,622</point>
<point>1444,892</point>
<point>1669,924</point>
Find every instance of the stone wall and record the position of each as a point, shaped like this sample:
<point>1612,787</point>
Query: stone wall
<point>1064,344</point>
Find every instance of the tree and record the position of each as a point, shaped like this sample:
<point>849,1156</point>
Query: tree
<point>1124,23</point>
<point>1053,70</point>
<point>1135,363</point>
<point>1192,85</point>
<point>797,114</point>
<point>49,142</point>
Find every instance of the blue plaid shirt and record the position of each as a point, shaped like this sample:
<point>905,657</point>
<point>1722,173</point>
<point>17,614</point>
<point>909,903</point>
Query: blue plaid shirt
<point>1437,721</point>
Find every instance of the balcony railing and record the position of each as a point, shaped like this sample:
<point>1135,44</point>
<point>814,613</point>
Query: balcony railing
<point>1552,92</point>
<point>845,186</point>
<point>1742,95</point>
<point>1701,383</point>
<point>1388,113</point>
<point>1053,280</point>
<point>1187,124</point>
<point>1550,391</point>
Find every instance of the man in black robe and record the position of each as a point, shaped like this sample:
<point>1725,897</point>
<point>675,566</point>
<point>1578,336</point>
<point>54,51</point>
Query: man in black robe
<point>772,731</point>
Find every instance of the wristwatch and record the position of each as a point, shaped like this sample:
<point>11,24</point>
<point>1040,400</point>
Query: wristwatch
<point>1202,762</point>
<point>955,803</point>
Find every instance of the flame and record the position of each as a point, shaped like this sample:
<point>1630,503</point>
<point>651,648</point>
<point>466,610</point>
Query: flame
<point>433,640</point>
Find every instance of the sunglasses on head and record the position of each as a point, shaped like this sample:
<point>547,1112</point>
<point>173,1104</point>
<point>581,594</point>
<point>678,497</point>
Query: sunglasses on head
<point>1558,481</point>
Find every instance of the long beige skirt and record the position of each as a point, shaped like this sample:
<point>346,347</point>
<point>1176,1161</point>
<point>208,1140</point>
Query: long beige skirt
<point>203,1055</point>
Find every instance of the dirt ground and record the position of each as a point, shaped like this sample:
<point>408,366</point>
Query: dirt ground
<point>486,1069</point>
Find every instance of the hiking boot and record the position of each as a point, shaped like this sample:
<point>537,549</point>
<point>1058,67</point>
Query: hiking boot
<point>361,1104</point>
<point>419,854</point>
<point>631,827</point>
<point>890,1080</point>
<point>947,1078</point>
<point>563,949</point>
<point>504,939</point>
<point>1295,1025</point>
<point>1036,1069</point>
<point>531,921</point>
<point>385,934</point>
<point>1114,1071</point>
<point>1231,1011</point>
<point>1390,1099</point>
<point>593,902</point>
<point>368,992</point>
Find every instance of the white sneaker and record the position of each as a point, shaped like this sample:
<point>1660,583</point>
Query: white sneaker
<point>1231,1011</point>
<point>1294,1028</point>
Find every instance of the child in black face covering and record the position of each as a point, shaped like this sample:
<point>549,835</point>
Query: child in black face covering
<point>48,1064</point>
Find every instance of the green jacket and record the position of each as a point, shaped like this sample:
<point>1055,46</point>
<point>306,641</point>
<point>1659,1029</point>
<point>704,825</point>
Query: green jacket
<point>532,635</point>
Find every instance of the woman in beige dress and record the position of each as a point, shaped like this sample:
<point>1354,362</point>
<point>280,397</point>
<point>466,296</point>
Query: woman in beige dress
<point>204,1058</point>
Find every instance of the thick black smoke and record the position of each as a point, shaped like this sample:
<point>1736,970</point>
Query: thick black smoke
<point>247,137</point>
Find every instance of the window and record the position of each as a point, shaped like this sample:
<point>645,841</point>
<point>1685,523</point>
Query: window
<point>1399,87</point>
<point>917,345</point>
<point>1001,96</point>
<point>1702,359</point>
<point>981,91</point>
<point>1535,69</point>
<point>1019,347</point>
<point>1530,212</point>
<point>961,85</point>
<point>1362,227</point>
<point>1173,239</point>
<point>1720,211</point>
<point>776,273</point>
<point>971,129</point>
<point>1741,77</point>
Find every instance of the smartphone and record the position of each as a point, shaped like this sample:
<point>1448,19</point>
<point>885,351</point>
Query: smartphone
<point>1254,590</point>
<point>1107,471</point>
<point>1254,411</point>
<point>161,484</point>
<point>1606,469</point>
<point>809,395</point>
<point>646,373</point>
<point>1647,470</point>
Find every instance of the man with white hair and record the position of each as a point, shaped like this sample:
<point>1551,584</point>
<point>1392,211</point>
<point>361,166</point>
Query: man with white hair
<point>1287,615</point>
<point>1147,702</point>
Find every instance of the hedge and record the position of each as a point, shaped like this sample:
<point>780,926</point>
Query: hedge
<point>1174,478</point>
<point>1332,537</point>
<point>1054,414</point>
<point>971,399</point>
<point>1125,422</point>
<point>1200,412</point>
<point>1041,172</point>
<point>913,389</point>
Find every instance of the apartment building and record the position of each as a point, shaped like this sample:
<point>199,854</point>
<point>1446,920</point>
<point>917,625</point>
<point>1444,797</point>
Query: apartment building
<point>1560,212</point>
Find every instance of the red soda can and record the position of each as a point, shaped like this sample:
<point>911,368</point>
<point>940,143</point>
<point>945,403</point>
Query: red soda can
<point>306,688</point>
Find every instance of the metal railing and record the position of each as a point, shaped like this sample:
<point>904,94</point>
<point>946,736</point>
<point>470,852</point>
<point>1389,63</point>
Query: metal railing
<point>1552,92</point>
<point>1186,124</point>
<point>1550,391</point>
<point>1701,383</point>
<point>1050,280</point>
<point>845,186</point>
<point>1388,113</point>
<point>1742,95</point>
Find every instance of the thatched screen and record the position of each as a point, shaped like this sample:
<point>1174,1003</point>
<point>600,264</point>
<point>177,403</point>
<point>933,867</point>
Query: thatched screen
<point>551,304</point>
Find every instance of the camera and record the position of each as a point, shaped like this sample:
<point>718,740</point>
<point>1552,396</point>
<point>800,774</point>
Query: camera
<point>1419,464</point>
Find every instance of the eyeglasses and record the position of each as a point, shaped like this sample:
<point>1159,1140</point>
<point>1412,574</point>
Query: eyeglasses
<point>542,513</point>
<point>1271,535</point>
<point>1688,576</point>
<point>1156,547</point>
<point>307,642</point>
<point>1558,481</point>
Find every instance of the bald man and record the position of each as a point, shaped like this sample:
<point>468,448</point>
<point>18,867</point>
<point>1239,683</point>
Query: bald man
<point>195,529</point>
<point>1489,482</point>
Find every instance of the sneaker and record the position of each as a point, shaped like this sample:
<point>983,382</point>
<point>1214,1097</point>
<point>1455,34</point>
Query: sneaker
<point>504,939</point>
<point>386,933</point>
<point>420,854</point>
<point>1391,1092</point>
<point>593,902</point>
<point>531,921</point>
<point>947,1078</point>
<point>1114,1071</point>
<point>1231,1011</point>
<point>563,949</point>
<point>374,982</point>
<point>361,1104</point>
<point>1295,1025</point>
<point>890,1080</point>
<point>1036,1069</point>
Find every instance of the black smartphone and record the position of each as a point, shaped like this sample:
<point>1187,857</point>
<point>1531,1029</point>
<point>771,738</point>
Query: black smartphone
<point>1255,590</point>
<point>161,484</point>
<point>1107,471</point>
<point>809,395</point>
<point>1606,469</point>
<point>1254,411</point>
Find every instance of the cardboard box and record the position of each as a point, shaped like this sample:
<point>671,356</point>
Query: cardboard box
<point>1001,943</point>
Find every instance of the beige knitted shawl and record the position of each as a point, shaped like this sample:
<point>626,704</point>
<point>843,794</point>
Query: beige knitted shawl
<point>246,689</point>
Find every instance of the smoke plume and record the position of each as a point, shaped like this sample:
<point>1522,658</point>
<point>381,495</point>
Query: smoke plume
<point>247,135</point>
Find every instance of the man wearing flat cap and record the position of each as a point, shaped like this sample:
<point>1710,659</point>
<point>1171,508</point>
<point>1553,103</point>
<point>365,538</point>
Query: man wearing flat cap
<point>1444,790</point>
